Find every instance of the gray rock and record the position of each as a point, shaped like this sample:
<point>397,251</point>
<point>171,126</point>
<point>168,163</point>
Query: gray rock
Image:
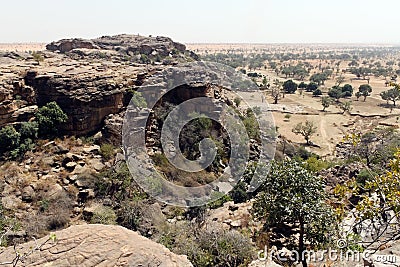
<point>98,245</point>
<point>91,149</point>
<point>11,202</point>
<point>28,194</point>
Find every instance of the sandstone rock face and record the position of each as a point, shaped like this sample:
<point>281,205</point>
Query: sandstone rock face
<point>112,130</point>
<point>16,99</point>
<point>122,43</point>
<point>66,45</point>
<point>97,245</point>
<point>86,99</point>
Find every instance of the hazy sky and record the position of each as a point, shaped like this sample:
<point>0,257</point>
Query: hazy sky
<point>245,21</point>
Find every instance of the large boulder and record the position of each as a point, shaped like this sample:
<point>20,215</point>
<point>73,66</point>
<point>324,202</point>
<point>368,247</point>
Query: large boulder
<point>96,245</point>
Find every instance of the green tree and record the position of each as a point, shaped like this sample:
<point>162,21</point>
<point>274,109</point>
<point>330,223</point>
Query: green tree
<point>290,86</point>
<point>346,106</point>
<point>317,92</point>
<point>311,87</point>
<point>347,89</point>
<point>339,80</point>
<point>265,81</point>
<point>302,85</point>
<point>365,90</point>
<point>336,93</point>
<point>292,195</point>
<point>326,102</point>
<point>392,94</point>
<point>306,130</point>
<point>319,78</point>
<point>49,117</point>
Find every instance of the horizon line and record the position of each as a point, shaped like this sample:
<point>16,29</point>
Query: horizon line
<point>244,43</point>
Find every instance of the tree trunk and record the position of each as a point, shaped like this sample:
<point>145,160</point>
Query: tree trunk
<point>301,244</point>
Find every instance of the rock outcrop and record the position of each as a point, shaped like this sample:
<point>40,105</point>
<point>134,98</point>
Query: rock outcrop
<point>122,43</point>
<point>89,79</point>
<point>86,99</point>
<point>96,245</point>
<point>66,45</point>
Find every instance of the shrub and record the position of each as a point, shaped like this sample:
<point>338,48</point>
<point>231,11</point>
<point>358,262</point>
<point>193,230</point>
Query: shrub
<point>220,199</point>
<point>257,110</point>
<point>210,245</point>
<point>303,154</point>
<point>315,165</point>
<point>365,176</point>
<point>107,151</point>
<point>137,99</point>
<point>49,117</point>
<point>58,220</point>
<point>6,223</point>
<point>237,101</point>
<point>29,130</point>
<point>37,57</point>
<point>104,215</point>
<point>238,193</point>
<point>9,139</point>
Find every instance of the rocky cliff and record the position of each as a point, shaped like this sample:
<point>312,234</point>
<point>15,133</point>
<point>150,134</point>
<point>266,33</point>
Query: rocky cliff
<point>89,79</point>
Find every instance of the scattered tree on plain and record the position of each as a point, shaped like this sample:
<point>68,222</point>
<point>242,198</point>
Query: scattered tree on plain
<point>392,94</point>
<point>306,130</point>
<point>290,87</point>
<point>336,93</point>
<point>365,90</point>
<point>326,102</point>
<point>346,106</point>
<point>311,87</point>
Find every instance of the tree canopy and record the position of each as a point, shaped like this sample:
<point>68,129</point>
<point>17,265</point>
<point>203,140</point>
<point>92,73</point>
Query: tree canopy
<point>292,195</point>
<point>290,86</point>
<point>365,90</point>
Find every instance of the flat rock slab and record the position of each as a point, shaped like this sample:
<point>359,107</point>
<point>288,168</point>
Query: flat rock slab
<point>97,245</point>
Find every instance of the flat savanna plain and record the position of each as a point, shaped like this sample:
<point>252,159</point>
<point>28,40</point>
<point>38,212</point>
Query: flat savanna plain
<point>332,124</point>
